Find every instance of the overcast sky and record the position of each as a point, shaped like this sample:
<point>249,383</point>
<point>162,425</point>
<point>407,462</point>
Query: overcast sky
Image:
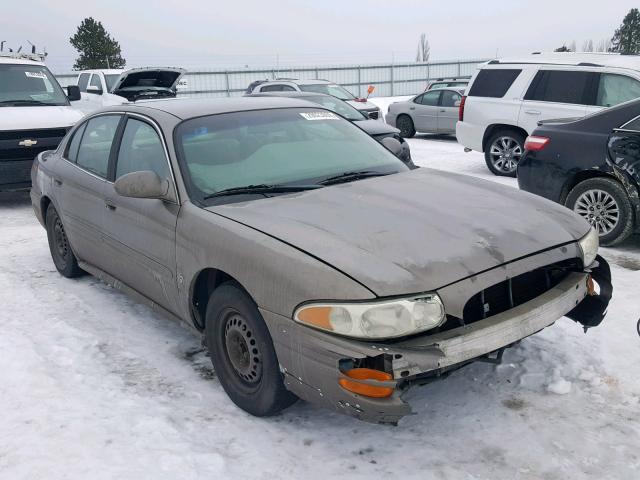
<point>214,33</point>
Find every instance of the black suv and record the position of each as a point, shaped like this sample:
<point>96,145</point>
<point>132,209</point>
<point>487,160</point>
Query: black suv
<point>592,166</point>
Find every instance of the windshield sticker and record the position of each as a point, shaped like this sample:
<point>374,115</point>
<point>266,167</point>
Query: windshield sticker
<point>35,75</point>
<point>319,115</point>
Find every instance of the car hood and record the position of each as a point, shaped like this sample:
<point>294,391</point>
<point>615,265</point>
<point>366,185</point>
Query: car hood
<point>412,232</point>
<point>362,105</point>
<point>36,117</point>
<point>159,77</point>
<point>376,127</point>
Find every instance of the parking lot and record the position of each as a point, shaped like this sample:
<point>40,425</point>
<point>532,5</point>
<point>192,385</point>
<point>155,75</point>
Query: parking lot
<point>94,378</point>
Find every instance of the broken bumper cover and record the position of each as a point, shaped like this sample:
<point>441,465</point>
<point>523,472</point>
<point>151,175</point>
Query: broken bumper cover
<point>311,360</point>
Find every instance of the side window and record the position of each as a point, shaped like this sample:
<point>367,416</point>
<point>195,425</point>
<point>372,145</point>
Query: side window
<point>95,147</point>
<point>493,83</point>
<point>431,99</point>
<point>83,81</point>
<point>449,98</point>
<point>95,81</point>
<point>288,88</point>
<point>72,147</point>
<point>561,87</point>
<point>632,125</point>
<point>614,89</point>
<point>141,149</point>
<point>272,88</point>
<point>418,99</point>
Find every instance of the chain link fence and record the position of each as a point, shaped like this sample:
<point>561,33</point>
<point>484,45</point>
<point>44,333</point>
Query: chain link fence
<point>390,79</point>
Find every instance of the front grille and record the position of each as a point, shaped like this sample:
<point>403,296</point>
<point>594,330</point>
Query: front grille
<point>516,291</point>
<point>11,150</point>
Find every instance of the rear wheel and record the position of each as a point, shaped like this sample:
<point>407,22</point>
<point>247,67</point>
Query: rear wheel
<point>405,124</point>
<point>63,257</point>
<point>605,205</point>
<point>242,353</point>
<point>503,152</point>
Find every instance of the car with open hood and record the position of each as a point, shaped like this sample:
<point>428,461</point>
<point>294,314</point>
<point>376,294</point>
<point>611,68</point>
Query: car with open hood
<point>314,262</point>
<point>108,87</point>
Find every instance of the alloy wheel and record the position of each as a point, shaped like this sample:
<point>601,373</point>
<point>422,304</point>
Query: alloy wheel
<point>505,153</point>
<point>600,209</point>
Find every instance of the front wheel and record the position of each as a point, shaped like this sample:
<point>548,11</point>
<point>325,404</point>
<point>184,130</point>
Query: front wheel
<point>503,152</point>
<point>242,353</point>
<point>63,257</point>
<point>605,205</point>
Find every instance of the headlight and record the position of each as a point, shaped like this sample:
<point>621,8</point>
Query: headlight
<point>375,320</point>
<point>589,246</point>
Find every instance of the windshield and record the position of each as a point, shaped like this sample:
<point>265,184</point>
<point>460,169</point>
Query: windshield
<point>110,79</point>
<point>293,146</point>
<point>336,105</point>
<point>25,85</point>
<point>328,89</point>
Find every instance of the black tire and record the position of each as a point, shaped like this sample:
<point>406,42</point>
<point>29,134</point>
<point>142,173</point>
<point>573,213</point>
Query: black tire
<point>615,223</point>
<point>405,124</point>
<point>63,257</point>
<point>503,151</point>
<point>242,353</point>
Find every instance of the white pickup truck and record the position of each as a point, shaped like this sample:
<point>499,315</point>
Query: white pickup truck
<point>35,114</point>
<point>105,88</point>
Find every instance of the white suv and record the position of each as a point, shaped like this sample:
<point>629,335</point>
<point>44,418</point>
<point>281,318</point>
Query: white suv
<point>507,98</point>
<point>35,115</point>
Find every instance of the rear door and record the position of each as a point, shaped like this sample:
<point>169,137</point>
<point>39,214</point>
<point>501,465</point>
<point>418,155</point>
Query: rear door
<point>555,93</point>
<point>424,111</point>
<point>448,111</point>
<point>79,186</point>
<point>624,148</point>
<point>141,233</point>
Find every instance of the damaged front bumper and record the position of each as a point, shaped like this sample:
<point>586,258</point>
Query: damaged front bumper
<point>313,362</point>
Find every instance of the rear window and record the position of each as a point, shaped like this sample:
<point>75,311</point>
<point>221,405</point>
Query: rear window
<point>493,83</point>
<point>562,87</point>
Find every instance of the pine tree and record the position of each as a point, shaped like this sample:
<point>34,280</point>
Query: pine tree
<point>626,40</point>
<point>96,47</point>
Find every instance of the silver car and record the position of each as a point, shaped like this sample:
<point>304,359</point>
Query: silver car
<point>314,262</point>
<point>434,111</point>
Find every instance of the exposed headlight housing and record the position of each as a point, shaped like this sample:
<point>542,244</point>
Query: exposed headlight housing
<point>375,320</point>
<point>589,246</point>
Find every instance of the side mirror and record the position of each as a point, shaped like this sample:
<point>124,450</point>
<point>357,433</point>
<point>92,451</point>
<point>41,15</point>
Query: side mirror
<point>392,145</point>
<point>73,93</point>
<point>143,184</point>
<point>94,90</point>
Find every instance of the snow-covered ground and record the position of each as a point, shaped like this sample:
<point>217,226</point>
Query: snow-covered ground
<point>94,385</point>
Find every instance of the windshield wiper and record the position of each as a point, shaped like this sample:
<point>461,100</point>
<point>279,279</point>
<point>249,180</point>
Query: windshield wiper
<point>23,102</point>
<point>350,176</point>
<point>261,189</point>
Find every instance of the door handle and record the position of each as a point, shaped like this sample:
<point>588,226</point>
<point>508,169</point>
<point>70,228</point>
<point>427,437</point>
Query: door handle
<point>110,206</point>
<point>412,108</point>
<point>57,181</point>
<point>443,111</point>
<point>532,112</point>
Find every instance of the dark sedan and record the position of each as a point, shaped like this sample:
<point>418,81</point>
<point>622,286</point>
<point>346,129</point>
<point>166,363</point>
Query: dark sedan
<point>591,166</point>
<point>377,129</point>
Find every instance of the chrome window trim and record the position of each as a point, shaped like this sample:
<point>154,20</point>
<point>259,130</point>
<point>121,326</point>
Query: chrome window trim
<point>623,129</point>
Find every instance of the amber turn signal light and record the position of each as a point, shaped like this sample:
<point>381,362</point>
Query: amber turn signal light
<point>353,385</point>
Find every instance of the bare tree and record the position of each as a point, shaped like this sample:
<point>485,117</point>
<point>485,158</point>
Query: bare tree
<point>424,50</point>
<point>572,47</point>
<point>604,45</point>
<point>587,46</point>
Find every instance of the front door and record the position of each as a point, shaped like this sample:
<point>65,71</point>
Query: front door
<point>448,111</point>
<point>141,233</point>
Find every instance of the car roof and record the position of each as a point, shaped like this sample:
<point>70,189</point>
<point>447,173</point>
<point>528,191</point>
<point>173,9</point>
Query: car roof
<point>297,81</point>
<point>19,61</point>
<point>295,94</point>
<point>184,108</point>
<point>575,59</point>
<point>106,71</point>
